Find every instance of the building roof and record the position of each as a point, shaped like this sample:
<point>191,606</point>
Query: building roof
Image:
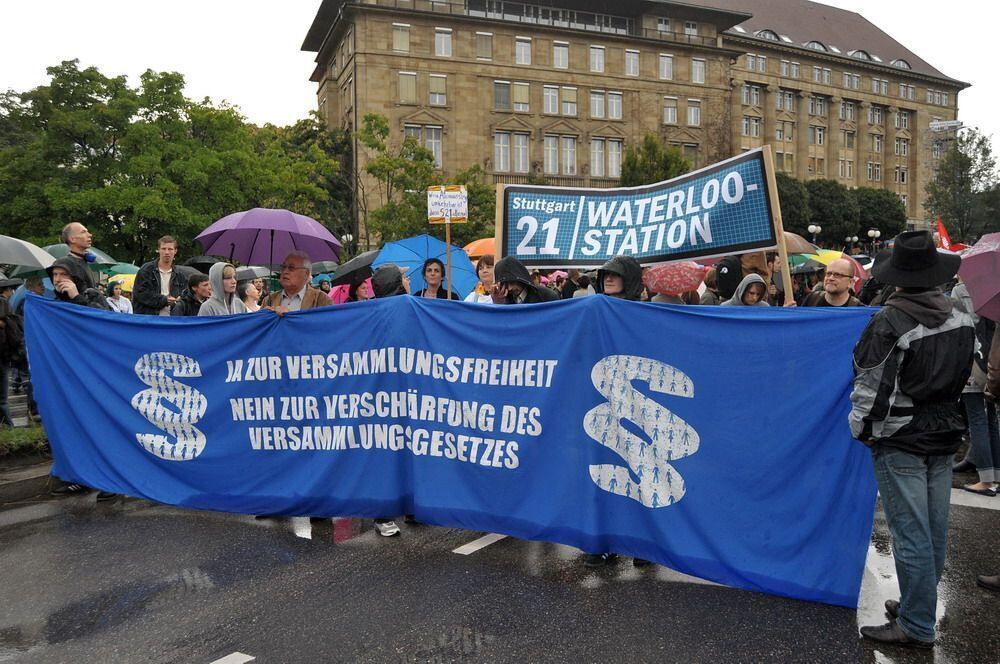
<point>842,32</point>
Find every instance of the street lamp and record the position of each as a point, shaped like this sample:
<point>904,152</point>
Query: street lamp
<point>345,242</point>
<point>849,240</point>
<point>815,230</point>
<point>874,234</point>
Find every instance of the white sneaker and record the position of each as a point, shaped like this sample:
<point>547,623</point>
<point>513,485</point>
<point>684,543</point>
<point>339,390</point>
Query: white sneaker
<point>387,528</point>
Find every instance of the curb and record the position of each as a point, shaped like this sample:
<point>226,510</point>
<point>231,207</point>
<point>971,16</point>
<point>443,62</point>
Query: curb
<point>24,482</point>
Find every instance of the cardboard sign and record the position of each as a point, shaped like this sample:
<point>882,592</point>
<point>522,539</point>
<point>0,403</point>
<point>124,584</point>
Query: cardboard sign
<point>447,204</point>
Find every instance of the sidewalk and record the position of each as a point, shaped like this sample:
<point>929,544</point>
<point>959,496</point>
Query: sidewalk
<point>23,482</point>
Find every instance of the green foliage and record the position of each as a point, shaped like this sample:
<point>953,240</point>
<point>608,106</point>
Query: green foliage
<point>880,209</point>
<point>958,194</point>
<point>834,209</point>
<point>793,197</point>
<point>23,440</point>
<point>137,163</point>
<point>652,161</point>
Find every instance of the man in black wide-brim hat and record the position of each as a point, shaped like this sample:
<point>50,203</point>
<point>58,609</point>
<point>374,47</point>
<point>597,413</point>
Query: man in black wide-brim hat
<point>911,363</point>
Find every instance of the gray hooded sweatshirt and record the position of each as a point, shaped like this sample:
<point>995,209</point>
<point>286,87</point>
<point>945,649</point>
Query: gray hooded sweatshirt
<point>737,299</point>
<point>221,303</point>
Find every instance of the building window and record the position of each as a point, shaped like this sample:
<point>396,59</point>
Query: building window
<point>522,51</point>
<point>551,156</point>
<point>907,91</point>
<point>847,139</point>
<point>880,86</point>
<point>521,153</point>
<point>903,198</point>
<point>876,142</point>
<point>631,63</point>
<point>550,100</point>
<point>845,168</point>
<point>438,90</point>
<point>521,94</point>
<point>662,24</point>
<point>597,103</point>
<point>560,55</point>
<point>670,110</point>
<point>751,95</point>
<point>614,106</point>
<point>484,45</point>
<point>697,70</point>
<point>751,126</point>
<point>852,81</point>
<point>501,95</point>
<point>817,106</point>
<point>789,69</point>
<point>875,115</point>
<point>817,165</point>
<point>597,59</point>
<point>567,149</point>
<point>501,151</point>
<point>784,131</point>
<point>690,28</point>
<point>756,63</point>
<point>784,161</point>
<point>401,37</point>
<point>694,112</point>
<point>903,147</point>
<point>847,110</point>
<point>874,171</point>
<point>407,87</point>
<point>666,67</point>
<point>822,75</point>
<point>937,149</point>
<point>785,101</point>
<point>817,135</point>
<point>568,96</point>
<point>429,137</point>
<point>902,119</point>
<point>597,157</point>
<point>900,176</point>
<point>442,42</point>
<point>614,158</point>
<point>605,157</point>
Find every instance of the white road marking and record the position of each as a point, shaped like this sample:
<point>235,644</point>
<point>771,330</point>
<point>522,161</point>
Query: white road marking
<point>478,544</point>
<point>966,499</point>
<point>235,658</point>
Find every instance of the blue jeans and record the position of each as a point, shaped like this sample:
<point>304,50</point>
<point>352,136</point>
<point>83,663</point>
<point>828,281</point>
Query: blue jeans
<point>916,494</point>
<point>984,434</point>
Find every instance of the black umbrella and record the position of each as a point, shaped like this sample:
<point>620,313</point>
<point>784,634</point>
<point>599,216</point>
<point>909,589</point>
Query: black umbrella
<point>249,272</point>
<point>355,270</point>
<point>324,267</point>
<point>187,271</point>
<point>201,263</point>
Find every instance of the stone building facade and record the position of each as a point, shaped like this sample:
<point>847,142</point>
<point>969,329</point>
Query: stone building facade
<point>557,91</point>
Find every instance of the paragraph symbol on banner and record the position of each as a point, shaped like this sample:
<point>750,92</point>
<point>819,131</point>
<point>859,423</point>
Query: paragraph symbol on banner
<point>189,406</point>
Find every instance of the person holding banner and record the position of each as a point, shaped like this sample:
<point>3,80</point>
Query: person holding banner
<point>513,284</point>
<point>433,272</point>
<point>223,301</point>
<point>751,292</point>
<point>911,364</point>
<point>621,277</point>
<point>296,294</point>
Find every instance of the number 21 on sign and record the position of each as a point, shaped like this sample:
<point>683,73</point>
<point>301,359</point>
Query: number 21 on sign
<point>529,225</point>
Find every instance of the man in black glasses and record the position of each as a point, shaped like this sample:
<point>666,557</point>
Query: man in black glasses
<point>296,293</point>
<point>836,287</point>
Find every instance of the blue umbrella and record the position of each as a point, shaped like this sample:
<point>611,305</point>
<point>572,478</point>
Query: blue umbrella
<point>413,251</point>
<point>21,293</point>
<point>320,277</point>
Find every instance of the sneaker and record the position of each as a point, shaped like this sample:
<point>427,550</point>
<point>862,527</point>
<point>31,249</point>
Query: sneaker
<point>105,496</point>
<point>386,528</point>
<point>69,489</point>
<point>599,559</point>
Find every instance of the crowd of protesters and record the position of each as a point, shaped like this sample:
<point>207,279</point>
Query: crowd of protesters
<point>927,367</point>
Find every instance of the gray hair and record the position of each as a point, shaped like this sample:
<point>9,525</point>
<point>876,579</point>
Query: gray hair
<point>64,235</point>
<point>306,263</point>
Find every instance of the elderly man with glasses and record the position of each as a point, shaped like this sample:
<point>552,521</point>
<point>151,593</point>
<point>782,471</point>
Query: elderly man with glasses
<point>296,293</point>
<point>836,287</point>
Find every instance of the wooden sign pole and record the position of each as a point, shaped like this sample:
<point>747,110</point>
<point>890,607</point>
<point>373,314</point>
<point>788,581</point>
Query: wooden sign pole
<point>447,250</point>
<point>779,229</point>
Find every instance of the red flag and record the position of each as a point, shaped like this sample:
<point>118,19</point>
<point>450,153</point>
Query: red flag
<point>943,233</point>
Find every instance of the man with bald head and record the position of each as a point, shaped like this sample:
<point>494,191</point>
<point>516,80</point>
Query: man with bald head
<point>836,287</point>
<point>76,236</point>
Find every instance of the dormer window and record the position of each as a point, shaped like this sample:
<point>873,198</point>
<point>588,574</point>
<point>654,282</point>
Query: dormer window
<point>770,35</point>
<point>901,64</point>
<point>860,55</point>
<point>816,46</point>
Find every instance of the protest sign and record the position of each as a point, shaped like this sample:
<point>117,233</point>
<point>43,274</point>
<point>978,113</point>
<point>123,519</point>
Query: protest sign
<point>636,428</point>
<point>727,208</point>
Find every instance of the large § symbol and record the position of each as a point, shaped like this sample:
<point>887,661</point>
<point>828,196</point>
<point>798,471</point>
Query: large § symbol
<point>188,406</point>
<point>649,478</point>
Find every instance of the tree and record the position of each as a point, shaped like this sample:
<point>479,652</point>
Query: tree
<point>956,194</point>
<point>832,207</point>
<point>651,162</point>
<point>880,209</point>
<point>793,197</point>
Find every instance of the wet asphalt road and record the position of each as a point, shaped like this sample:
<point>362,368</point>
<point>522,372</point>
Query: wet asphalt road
<point>137,582</point>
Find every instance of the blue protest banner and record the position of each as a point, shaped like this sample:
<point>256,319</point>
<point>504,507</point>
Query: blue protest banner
<point>722,209</point>
<point>696,437</point>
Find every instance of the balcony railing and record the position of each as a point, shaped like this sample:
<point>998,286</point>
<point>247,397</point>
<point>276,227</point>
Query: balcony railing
<point>678,37</point>
<point>557,180</point>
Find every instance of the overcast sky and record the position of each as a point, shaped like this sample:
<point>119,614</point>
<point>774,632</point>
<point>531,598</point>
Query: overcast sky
<point>247,51</point>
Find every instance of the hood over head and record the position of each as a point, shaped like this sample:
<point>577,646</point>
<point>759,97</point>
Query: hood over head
<point>215,278</point>
<point>77,272</point>
<point>387,281</point>
<point>930,307</point>
<point>509,269</point>
<point>737,299</point>
<point>629,270</point>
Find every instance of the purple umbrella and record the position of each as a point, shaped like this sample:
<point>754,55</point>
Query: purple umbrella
<point>980,271</point>
<point>263,236</point>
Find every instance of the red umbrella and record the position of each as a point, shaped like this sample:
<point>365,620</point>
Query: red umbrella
<point>980,271</point>
<point>674,278</point>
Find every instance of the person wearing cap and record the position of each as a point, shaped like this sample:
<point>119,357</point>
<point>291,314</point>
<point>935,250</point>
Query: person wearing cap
<point>911,364</point>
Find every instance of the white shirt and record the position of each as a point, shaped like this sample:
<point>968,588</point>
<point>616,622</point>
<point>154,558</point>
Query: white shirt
<point>165,288</point>
<point>293,303</point>
<point>121,304</point>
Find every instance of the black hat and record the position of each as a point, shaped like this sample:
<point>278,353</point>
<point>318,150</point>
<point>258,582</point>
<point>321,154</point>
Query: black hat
<point>914,262</point>
<point>10,283</point>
